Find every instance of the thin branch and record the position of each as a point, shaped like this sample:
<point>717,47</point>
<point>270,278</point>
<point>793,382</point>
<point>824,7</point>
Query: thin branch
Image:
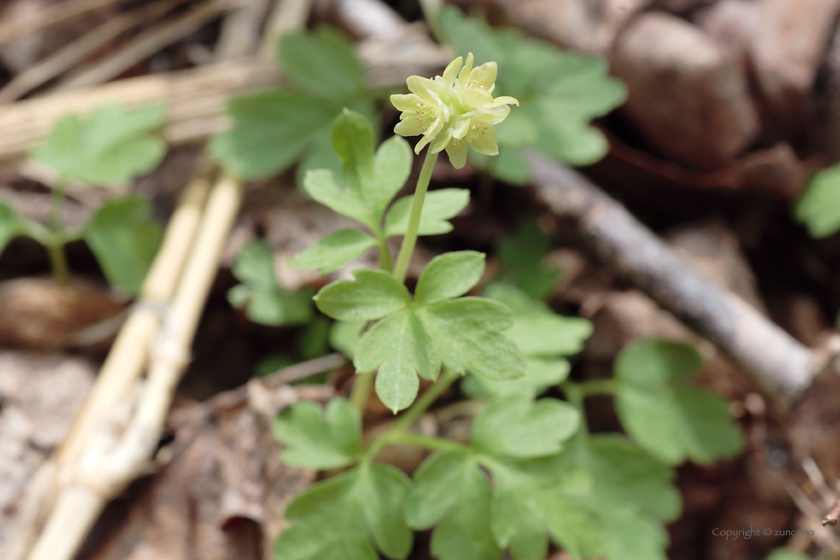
<point>776,359</point>
<point>147,44</point>
<point>64,58</point>
<point>49,17</point>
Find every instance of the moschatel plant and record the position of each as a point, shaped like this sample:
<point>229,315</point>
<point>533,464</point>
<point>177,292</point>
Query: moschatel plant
<point>106,149</point>
<point>532,472</point>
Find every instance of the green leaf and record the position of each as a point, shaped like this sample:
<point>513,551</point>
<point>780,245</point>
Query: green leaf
<point>621,515</point>
<point>466,336</point>
<point>319,439</point>
<point>10,225</point>
<point>401,349</point>
<point>438,207</point>
<point>819,206</point>
<point>372,295</point>
<point>449,275</point>
<point>360,508</point>
<point>453,494</point>
<point>785,554</point>
<point>539,332</point>
<point>124,239</point>
<point>270,131</point>
<point>324,187</point>
<point>353,140</point>
<point>265,302</point>
<point>391,168</point>
<point>333,251</point>
<point>521,257</point>
<point>540,374</point>
<point>345,336</point>
<point>673,421</point>
<point>322,63</point>
<point>110,147</point>
<point>517,427</point>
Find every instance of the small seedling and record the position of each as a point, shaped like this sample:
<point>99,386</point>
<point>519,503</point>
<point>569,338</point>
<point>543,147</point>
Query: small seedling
<point>108,148</point>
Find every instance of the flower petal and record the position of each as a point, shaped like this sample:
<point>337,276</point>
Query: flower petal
<point>457,153</point>
<point>441,141</point>
<point>416,84</point>
<point>505,100</point>
<point>484,142</point>
<point>484,76</point>
<point>477,98</point>
<point>464,75</point>
<point>410,126</point>
<point>406,102</point>
<point>451,71</point>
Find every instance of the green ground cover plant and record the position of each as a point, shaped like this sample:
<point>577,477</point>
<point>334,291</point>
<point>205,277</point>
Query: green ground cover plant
<point>108,148</point>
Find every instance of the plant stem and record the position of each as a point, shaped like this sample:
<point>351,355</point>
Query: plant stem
<point>410,238</point>
<point>360,393</point>
<point>55,246</point>
<point>597,387</point>
<point>385,262</point>
<point>413,413</point>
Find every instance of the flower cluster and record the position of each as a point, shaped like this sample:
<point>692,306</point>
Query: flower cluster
<point>454,110</point>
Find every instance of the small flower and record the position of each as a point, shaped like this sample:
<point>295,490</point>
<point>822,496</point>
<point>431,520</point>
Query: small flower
<point>454,110</point>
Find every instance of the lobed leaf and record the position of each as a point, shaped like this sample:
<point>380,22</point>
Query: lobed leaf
<point>391,168</point>
<point>453,494</point>
<point>259,293</point>
<point>401,350</point>
<point>353,142</point>
<point>517,427</point>
<point>125,240</point>
<point>322,63</point>
<point>319,439</point>
<point>521,258</point>
<point>360,508</point>
<point>372,295</point>
<point>540,374</point>
<point>333,251</point>
<point>438,207</point>
<point>673,421</point>
<point>466,335</point>
<point>448,276</point>
<point>538,331</point>
<point>110,147</point>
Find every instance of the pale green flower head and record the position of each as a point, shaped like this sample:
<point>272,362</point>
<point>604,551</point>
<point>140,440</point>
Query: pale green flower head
<point>454,110</point>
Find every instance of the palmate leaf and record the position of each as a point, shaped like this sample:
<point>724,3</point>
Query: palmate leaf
<point>668,418</point>
<point>521,258</point>
<point>599,497</point>
<point>333,251</point>
<point>439,207</point>
<point>110,147</point>
<point>125,240</point>
<point>263,299</point>
<point>271,130</point>
<point>349,517</point>
<point>319,439</point>
<point>419,336</point>
<point>560,93</point>
<point>543,337</point>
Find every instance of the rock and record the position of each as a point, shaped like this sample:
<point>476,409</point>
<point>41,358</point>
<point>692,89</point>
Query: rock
<point>585,25</point>
<point>688,96</point>
<point>787,47</point>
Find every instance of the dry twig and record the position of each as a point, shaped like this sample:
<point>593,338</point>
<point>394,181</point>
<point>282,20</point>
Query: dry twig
<point>49,17</point>
<point>777,360</point>
<point>64,58</point>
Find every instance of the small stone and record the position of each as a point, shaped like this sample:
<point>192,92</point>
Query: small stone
<point>688,96</point>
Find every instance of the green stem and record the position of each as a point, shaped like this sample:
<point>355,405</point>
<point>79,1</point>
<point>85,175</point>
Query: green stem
<point>413,413</point>
<point>360,393</point>
<point>55,246</point>
<point>410,238</point>
<point>598,387</point>
<point>385,262</point>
